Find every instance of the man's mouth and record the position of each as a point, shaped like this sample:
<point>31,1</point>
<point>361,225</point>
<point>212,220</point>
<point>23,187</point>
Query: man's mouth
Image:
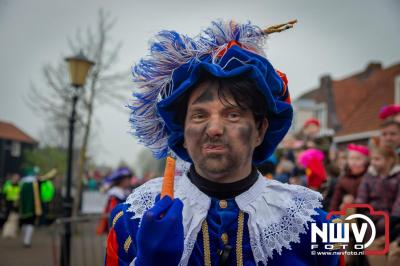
<point>214,148</point>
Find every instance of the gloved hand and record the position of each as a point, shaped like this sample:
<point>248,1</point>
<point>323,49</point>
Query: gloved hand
<point>160,235</point>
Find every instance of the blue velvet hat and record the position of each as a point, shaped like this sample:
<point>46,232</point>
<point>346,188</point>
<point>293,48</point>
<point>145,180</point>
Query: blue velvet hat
<point>177,62</point>
<point>118,174</point>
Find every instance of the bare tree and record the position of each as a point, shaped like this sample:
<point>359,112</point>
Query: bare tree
<point>103,86</point>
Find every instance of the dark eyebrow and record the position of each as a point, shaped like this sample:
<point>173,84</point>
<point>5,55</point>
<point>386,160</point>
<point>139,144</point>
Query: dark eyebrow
<point>197,109</point>
<point>206,96</point>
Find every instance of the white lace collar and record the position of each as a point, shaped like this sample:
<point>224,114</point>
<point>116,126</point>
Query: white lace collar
<point>118,192</point>
<point>278,213</point>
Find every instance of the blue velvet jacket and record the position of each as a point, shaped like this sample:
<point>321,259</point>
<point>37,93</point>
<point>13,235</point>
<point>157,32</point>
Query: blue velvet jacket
<point>222,221</point>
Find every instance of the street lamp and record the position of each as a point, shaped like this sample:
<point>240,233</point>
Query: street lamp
<point>79,67</point>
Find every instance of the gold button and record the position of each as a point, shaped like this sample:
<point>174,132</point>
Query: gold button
<point>223,204</point>
<point>224,238</point>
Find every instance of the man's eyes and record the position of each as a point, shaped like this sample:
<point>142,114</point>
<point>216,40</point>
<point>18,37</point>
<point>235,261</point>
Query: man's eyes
<point>198,116</point>
<point>229,115</point>
<point>233,115</point>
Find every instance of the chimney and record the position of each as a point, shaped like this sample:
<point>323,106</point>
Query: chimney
<point>327,90</point>
<point>371,67</point>
<point>326,82</point>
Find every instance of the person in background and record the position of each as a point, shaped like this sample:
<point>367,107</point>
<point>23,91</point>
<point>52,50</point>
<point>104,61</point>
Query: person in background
<point>313,162</point>
<point>390,112</point>
<point>345,190</point>
<point>289,148</point>
<point>47,193</point>
<point>347,184</point>
<point>341,161</point>
<point>335,169</point>
<point>314,136</point>
<point>119,188</point>
<point>309,132</point>
<point>284,170</point>
<point>268,168</point>
<point>380,188</point>
<point>311,129</point>
<point>390,135</point>
<point>11,190</point>
<point>298,176</point>
<point>30,204</point>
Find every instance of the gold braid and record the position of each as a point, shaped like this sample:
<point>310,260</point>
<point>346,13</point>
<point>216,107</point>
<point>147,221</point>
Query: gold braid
<point>206,244</point>
<point>239,241</point>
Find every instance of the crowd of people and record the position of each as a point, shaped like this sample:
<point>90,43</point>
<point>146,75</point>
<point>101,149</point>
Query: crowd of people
<point>366,172</point>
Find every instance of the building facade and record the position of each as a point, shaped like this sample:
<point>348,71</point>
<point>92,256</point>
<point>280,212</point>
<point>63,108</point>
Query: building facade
<point>350,106</point>
<point>13,143</point>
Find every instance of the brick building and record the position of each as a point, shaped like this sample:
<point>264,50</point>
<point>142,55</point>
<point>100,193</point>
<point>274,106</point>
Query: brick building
<point>350,106</point>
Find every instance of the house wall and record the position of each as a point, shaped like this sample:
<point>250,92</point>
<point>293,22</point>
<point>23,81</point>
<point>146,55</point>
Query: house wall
<point>397,89</point>
<point>306,109</point>
<point>11,162</point>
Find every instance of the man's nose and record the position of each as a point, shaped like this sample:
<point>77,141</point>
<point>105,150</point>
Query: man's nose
<point>215,126</point>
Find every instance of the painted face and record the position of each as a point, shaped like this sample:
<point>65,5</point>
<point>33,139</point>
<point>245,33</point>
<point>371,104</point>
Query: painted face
<point>390,136</point>
<point>357,162</point>
<point>220,137</point>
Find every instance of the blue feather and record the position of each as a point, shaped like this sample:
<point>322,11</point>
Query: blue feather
<point>168,51</point>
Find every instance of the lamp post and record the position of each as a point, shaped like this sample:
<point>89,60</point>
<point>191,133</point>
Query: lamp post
<point>79,67</point>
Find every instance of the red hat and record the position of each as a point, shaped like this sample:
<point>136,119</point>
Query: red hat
<point>358,148</point>
<point>312,121</point>
<point>389,110</point>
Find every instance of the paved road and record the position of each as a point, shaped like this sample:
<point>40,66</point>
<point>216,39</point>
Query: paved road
<point>12,253</point>
<point>87,248</point>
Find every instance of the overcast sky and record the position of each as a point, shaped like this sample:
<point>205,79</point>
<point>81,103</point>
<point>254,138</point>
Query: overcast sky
<point>336,37</point>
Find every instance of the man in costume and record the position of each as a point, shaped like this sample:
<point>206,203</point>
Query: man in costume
<point>120,187</point>
<point>30,204</point>
<point>36,193</point>
<point>214,101</point>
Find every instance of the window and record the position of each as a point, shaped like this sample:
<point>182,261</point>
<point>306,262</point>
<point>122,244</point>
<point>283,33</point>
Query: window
<point>15,149</point>
<point>305,109</point>
<point>321,114</point>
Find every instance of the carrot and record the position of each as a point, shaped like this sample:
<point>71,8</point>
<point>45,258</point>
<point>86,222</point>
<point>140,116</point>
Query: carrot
<point>168,181</point>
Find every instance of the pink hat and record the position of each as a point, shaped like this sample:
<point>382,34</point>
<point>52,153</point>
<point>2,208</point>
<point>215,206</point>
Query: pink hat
<point>358,148</point>
<point>389,110</point>
<point>307,156</point>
